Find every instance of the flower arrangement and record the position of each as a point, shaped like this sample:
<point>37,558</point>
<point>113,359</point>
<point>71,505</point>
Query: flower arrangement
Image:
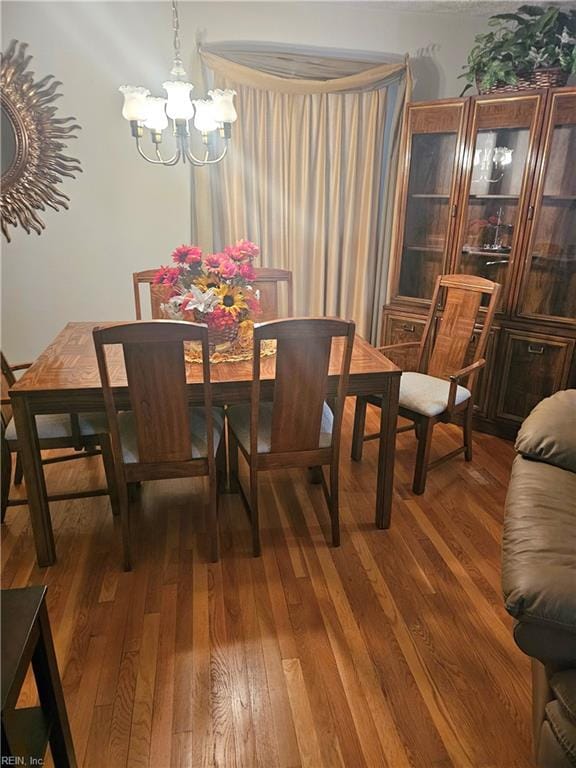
<point>214,289</point>
<point>521,47</point>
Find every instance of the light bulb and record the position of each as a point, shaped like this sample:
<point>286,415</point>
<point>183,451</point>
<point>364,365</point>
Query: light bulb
<point>135,106</point>
<point>224,111</point>
<point>204,117</point>
<point>156,118</point>
<point>179,106</point>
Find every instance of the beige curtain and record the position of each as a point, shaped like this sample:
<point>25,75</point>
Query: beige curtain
<point>307,175</point>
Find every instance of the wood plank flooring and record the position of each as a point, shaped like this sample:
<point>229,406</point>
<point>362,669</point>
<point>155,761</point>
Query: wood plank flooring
<point>393,650</point>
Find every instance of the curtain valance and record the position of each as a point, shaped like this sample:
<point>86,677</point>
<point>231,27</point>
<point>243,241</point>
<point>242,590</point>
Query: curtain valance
<point>283,72</point>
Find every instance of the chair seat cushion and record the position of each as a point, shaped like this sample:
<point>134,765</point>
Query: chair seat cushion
<point>427,395</point>
<point>197,433</point>
<point>239,420</point>
<point>57,425</point>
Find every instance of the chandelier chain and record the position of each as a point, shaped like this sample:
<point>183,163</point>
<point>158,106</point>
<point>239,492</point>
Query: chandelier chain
<point>176,30</point>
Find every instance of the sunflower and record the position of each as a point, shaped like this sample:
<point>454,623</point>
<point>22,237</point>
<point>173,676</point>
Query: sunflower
<point>232,298</point>
<point>205,282</point>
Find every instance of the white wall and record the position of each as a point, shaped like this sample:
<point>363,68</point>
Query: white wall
<point>124,214</point>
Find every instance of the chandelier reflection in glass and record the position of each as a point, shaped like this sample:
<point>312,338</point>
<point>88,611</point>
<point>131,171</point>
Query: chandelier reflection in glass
<point>214,114</point>
<point>490,163</point>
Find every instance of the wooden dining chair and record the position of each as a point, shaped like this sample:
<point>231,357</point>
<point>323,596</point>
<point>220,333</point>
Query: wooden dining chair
<point>297,428</point>
<point>275,301</point>
<point>435,392</point>
<point>86,433</point>
<point>161,437</point>
<point>146,277</point>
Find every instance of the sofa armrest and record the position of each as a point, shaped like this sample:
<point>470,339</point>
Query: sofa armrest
<point>539,566</point>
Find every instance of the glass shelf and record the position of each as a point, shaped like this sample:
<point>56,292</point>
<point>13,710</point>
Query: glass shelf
<point>429,195</point>
<point>493,197</point>
<point>426,248</point>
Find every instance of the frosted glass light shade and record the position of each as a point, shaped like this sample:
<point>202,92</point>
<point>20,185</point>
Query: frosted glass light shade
<point>135,106</point>
<point>156,119</point>
<point>224,111</point>
<point>204,117</point>
<point>179,106</point>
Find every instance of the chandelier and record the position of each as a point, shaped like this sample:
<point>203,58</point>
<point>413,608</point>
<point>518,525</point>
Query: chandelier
<point>210,117</point>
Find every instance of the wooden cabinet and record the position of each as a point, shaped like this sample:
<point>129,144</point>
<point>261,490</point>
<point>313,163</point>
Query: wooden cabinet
<point>497,175</point>
<point>534,367</point>
<point>400,328</point>
<point>432,149</point>
<point>487,186</point>
<point>547,284</point>
<point>482,389</point>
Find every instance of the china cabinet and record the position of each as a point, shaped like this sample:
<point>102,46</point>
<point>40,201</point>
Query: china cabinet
<point>487,187</point>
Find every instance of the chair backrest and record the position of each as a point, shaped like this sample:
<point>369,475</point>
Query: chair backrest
<point>156,376</point>
<point>146,277</point>
<point>303,349</point>
<point>273,303</point>
<point>8,380</point>
<point>455,320</point>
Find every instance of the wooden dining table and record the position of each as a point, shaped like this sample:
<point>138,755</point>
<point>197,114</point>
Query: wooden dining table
<point>65,379</point>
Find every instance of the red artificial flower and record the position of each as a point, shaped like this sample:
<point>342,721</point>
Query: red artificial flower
<point>167,276</point>
<point>213,261</point>
<point>219,318</point>
<point>253,305</point>
<point>234,253</point>
<point>247,271</point>
<point>228,269</point>
<point>249,249</point>
<point>187,254</point>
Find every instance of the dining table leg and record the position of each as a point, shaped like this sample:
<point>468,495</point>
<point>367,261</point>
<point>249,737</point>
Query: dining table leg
<point>387,450</point>
<point>29,450</point>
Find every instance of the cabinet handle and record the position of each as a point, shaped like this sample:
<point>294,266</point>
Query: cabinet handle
<point>530,212</point>
<point>454,211</point>
<point>408,328</point>
<point>536,349</point>
<point>473,339</point>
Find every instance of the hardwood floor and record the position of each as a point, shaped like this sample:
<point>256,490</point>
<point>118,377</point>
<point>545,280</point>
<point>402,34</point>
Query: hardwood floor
<point>393,650</point>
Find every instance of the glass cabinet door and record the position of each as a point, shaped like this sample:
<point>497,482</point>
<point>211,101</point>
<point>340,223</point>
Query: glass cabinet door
<point>432,150</point>
<point>499,166</point>
<point>548,287</point>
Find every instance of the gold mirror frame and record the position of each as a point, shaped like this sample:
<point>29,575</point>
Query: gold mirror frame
<point>30,182</point>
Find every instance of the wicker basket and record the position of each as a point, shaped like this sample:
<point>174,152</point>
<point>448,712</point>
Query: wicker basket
<point>527,81</point>
<point>218,336</point>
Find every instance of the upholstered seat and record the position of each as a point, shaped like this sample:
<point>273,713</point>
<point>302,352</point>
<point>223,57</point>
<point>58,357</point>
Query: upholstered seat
<point>427,395</point>
<point>129,439</point>
<point>239,420</point>
<point>58,425</point>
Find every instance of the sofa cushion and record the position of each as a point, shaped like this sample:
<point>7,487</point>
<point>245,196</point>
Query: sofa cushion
<point>539,562</point>
<point>549,432</point>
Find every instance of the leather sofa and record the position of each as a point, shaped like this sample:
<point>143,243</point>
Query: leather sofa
<point>539,570</point>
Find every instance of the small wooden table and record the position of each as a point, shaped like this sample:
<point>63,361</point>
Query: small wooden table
<point>26,638</point>
<point>65,379</point>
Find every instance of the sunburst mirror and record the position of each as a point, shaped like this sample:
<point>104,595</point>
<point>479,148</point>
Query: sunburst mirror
<point>32,142</point>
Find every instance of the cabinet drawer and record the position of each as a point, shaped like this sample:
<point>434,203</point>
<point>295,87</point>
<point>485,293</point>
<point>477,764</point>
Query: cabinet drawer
<point>401,329</point>
<point>534,367</point>
<point>482,387</point>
